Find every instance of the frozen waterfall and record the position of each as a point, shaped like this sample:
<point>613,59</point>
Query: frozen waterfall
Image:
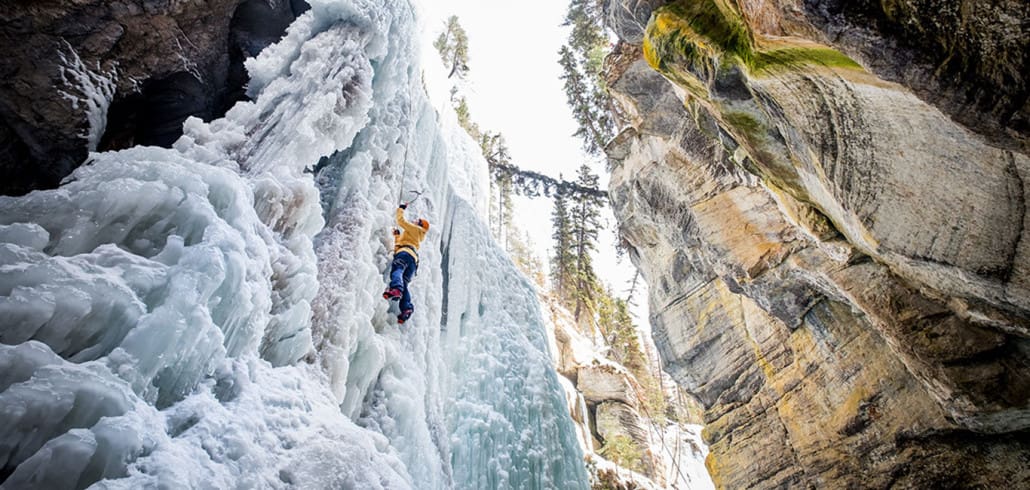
<point>208,316</point>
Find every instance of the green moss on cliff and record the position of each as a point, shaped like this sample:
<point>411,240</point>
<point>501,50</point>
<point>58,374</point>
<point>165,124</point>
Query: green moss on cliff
<point>719,23</point>
<point>699,44</point>
<point>744,123</point>
<point>674,49</point>
<point>761,159</point>
<point>686,39</point>
<point>787,58</point>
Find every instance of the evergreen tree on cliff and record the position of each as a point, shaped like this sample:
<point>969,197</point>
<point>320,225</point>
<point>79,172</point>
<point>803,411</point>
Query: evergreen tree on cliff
<point>502,210</point>
<point>585,224</point>
<point>461,109</point>
<point>562,262</point>
<point>453,47</point>
<point>587,36</point>
<point>581,61</point>
<point>616,325</point>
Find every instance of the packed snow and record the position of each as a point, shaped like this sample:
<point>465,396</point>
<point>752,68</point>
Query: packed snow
<point>208,316</point>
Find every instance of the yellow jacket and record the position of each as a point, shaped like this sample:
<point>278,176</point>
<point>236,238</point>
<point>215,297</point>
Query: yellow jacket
<point>411,235</point>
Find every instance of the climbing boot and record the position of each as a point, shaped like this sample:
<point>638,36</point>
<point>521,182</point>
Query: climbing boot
<point>403,317</point>
<point>392,294</point>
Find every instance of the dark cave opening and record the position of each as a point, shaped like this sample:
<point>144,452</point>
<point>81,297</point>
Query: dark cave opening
<point>154,115</point>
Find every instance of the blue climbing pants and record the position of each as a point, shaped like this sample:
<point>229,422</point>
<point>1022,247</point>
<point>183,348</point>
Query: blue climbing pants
<point>401,272</point>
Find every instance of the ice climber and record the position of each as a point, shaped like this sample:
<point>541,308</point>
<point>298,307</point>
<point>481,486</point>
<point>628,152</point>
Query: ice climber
<point>405,261</point>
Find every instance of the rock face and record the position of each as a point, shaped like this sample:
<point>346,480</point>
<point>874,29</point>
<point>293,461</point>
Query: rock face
<point>606,402</point>
<point>966,58</point>
<point>829,205</point>
<point>77,76</point>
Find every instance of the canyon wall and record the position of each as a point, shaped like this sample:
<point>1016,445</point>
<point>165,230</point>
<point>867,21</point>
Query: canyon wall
<point>88,75</point>
<point>828,202</point>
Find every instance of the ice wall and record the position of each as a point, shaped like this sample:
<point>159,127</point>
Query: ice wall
<point>209,315</point>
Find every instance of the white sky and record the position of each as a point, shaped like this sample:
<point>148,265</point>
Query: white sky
<point>514,88</point>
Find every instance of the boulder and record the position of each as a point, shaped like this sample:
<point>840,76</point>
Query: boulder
<point>602,381</point>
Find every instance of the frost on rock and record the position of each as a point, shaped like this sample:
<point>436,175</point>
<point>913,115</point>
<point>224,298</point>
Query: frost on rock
<point>92,88</point>
<point>159,307</point>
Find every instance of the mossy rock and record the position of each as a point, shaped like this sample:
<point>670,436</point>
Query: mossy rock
<point>785,59</point>
<point>689,40</point>
<point>698,44</point>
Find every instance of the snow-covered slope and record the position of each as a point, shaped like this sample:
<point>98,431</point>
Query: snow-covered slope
<point>209,316</point>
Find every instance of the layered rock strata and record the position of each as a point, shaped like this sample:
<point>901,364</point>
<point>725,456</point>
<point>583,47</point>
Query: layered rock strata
<point>834,234</point>
<point>78,76</point>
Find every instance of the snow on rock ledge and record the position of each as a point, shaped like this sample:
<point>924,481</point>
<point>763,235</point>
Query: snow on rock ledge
<point>601,382</point>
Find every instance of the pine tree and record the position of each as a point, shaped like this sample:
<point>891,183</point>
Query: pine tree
<point>581,61</point>
<point>594,126</point>
<point>620,333</point>
<point>585,224</point>
<point>453,47</point>
<point>562,265</point>
<point>586,18</point>
<point>521,251</point>
<point>507,211</point>
<point>502,210</point>
<point>624,347</point>
<point>494,149</point>
<point>461,109</point>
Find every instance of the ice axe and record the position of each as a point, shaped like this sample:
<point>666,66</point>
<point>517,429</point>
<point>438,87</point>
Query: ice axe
<point>417,194</point>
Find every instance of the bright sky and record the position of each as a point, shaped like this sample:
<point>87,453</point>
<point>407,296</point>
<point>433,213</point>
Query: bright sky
<point>514,88</point>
